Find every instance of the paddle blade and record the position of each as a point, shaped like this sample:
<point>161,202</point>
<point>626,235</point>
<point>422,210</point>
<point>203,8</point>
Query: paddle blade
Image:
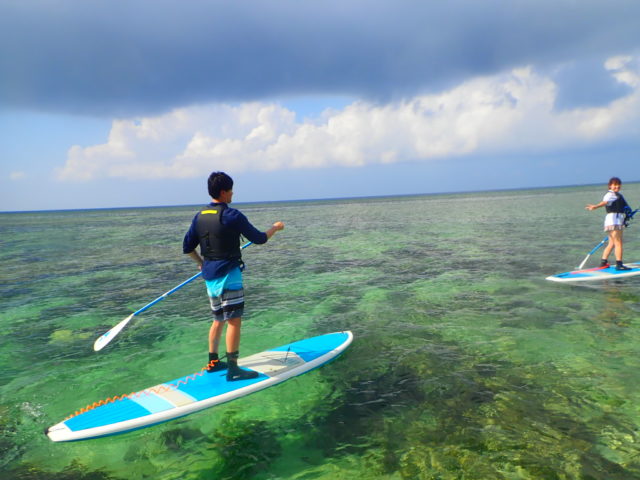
<point>102,341</point>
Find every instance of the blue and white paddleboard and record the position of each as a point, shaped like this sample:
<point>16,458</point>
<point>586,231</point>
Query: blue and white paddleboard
<point>598,273</point>
<point>198,391</point>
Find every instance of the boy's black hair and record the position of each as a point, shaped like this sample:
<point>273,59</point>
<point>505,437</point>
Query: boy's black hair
<point>217,182</point>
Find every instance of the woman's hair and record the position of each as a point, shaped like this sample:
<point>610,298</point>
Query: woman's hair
<point>615,181</point>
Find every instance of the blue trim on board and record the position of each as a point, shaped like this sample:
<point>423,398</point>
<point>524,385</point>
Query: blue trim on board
<point>118,411</point>
<point>213,384</point>
<point>312,348</point>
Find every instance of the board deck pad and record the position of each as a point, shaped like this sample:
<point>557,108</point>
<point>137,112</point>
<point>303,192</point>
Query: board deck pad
<point>198,391</point>
<point>595,274</point>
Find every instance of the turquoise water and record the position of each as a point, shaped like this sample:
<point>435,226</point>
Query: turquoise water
<point>466,363</point>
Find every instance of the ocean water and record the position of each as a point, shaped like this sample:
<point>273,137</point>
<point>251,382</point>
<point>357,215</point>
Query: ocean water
<point>466,363</point>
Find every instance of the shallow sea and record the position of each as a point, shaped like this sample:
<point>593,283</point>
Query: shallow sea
<point>466,363</point>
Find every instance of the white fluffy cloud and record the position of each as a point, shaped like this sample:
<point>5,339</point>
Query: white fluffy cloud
<point>510,112</point>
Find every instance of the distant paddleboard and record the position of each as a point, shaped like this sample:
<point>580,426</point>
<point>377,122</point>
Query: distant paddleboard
<point>598,273</point>
<point>198,391</point>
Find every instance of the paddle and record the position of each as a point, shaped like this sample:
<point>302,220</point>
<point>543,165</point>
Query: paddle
<point>604,240</point>
<point>104,339</point>
<point>628,217</point>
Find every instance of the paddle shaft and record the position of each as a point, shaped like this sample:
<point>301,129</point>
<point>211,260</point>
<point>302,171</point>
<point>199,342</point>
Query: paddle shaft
<point>103,340</point>
<point>166,294</point>
<point>604,240</point>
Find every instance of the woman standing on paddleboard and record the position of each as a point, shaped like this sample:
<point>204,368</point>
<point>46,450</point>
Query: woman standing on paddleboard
<point>615,205</point>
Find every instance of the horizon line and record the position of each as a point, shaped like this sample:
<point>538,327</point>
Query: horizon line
<point>363,197</point>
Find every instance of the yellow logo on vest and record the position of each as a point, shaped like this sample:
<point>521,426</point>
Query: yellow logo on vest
<point>204,212</point>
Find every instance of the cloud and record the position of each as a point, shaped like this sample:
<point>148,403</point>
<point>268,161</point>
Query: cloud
<point>14,176</point>
<point>587,84</point>
<point>143,57</point>
<point>510,112</point>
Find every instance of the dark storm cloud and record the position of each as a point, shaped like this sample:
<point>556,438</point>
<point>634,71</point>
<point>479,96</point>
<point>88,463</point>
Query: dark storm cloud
<point>128,57</point>
<point>586,84</point>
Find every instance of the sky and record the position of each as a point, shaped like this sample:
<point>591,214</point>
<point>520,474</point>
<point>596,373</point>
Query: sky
<point>135,102</point>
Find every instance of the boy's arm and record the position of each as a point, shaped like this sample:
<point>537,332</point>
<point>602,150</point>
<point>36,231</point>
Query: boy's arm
<point>239,221</point>
<point>274,228</point>
<point>196,258</point>
<point>190,243</point>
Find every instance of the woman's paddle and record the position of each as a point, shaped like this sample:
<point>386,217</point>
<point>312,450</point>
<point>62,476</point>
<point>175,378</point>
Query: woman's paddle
<point>604,240</point>
<point>627,218</point>
<point>103,340</point>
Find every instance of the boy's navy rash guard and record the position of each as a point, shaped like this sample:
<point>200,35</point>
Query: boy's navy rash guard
<point>233,219</point>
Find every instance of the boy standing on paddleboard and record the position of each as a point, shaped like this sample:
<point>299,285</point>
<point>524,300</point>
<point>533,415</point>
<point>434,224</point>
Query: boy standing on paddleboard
<point>614,222</point>
<point>216,228</point>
